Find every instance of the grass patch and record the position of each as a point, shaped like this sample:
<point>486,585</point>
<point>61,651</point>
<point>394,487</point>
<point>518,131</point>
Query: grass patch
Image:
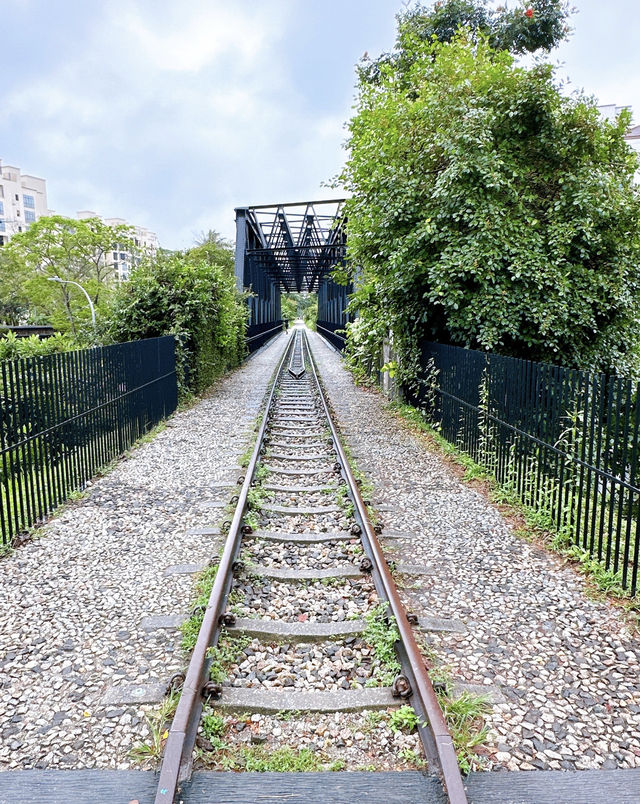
<point>382,637</point>
<point>191,627</point>
<point>266,759</point>
<point>159,722</point>
<point>224,654</point>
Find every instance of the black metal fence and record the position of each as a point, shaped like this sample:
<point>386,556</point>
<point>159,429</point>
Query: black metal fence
<point>334,333</point>
<point>259,334</point>
<point>64,416</point>
<point>565,442</point>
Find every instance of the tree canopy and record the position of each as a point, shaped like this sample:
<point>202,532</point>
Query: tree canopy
<point>489,210</point>
<point>191,295</point>
<point>77,250</point>
<point>539,25</point>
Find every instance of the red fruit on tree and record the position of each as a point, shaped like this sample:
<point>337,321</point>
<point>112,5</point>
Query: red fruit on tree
<point>529,13</point>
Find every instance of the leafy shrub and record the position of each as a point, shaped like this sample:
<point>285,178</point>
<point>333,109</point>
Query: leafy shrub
<point>191,295</point>
<point>11,346</point>
<point>490,211</point>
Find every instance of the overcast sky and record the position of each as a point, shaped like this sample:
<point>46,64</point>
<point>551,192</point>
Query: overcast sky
<point>170,114</point>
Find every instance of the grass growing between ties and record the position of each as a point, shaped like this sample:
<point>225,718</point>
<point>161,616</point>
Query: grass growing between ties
<point>382,636</point>
<point>465,714</point>
<point>224,654</point>
<point>214,750</point>
<point>191,627</point>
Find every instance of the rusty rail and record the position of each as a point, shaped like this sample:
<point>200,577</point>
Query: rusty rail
<point>176,762</point>
<point>440,751</point>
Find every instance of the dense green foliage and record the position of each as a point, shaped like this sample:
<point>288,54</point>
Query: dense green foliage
<point>77,250</point>
<point>491,212</point>
<point>528,28</point>
<point>11,346</point>
<point>191,295</point>
<point>300,305</point>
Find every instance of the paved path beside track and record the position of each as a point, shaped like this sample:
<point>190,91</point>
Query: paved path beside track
<point>73,603</point>
<point>562,668</point>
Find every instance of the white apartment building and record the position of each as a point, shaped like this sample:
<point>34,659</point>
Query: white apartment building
<point>23,199</point>
<point>123,260</point>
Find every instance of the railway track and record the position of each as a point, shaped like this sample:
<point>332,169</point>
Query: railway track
<point>300,522</point>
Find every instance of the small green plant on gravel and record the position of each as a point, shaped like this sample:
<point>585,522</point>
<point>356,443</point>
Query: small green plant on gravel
<point>465,719</point>
<point>465,715</point>
<point>373,721</point>
<point>413,757</point>
<point>382,637</point>
<point>244,459</point>
<point>256,496</point>
<point>213,726</point>
<point>262,473</point>
<point>191,627</point>
<point>251,519</point>
<point>224,654</point>
<point>331,581</point>
<point>235,601</point>
<point>159,722</point>
<point>287,714</point>
<point>403,719</point>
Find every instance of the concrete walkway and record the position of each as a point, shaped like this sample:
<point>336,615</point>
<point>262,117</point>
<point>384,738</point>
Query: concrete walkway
<point>76,661</point>
<point>562,668</point>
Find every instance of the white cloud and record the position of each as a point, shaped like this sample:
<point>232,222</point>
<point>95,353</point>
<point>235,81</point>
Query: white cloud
<point>171,115</point>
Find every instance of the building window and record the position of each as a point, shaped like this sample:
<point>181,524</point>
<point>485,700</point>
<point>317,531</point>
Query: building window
<point>29,216</point>
<point>1,208</point>
<point>123,256</point>
<point>115,255</point>
<point>17,197</point>
<point>29,201</point>
<point>1,190</point>
<point>2,229</point>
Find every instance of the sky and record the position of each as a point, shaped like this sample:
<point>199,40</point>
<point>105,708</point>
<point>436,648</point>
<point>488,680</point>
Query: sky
<point>170,114</point>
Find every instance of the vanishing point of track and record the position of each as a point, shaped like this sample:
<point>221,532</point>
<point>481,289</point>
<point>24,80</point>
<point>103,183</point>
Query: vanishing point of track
<point>292,436</point>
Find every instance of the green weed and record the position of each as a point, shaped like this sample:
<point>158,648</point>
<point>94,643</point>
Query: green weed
<point>403,719</point>
<point>382,637</point>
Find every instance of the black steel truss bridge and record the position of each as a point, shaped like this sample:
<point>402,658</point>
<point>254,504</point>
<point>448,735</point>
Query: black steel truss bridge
<point>292,247</point>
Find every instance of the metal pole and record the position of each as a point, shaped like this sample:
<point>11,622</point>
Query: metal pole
<point>77,284</point>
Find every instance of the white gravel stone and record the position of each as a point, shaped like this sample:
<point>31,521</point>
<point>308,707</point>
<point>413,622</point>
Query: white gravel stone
<point>71,601</point>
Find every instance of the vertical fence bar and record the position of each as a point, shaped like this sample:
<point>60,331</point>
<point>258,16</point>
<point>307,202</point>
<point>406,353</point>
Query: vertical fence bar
<point>63,416</point>
<point>565,441</point>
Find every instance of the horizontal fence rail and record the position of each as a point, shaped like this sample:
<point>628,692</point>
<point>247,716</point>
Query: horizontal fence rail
<point>64,416</point>
<point>564,442</point>
<point>259,334</point>
<point>334,333</point>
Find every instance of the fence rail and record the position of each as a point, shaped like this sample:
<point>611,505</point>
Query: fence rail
<point>64,416</point>
<point>565,442</point>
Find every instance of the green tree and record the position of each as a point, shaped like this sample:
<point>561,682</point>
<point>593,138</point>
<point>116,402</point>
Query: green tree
<point>78,250</point>
<point>191,295</point>
<point>492,212</point>
<point>528,28</point>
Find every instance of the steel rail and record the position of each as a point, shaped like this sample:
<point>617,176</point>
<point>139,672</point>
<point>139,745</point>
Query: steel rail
<point>179,746</point>
<point>444,756</point>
